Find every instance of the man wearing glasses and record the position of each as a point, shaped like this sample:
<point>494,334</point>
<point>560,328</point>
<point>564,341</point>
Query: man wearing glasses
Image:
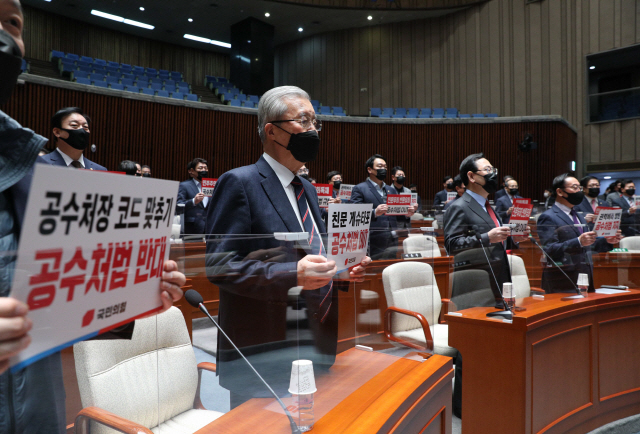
<point>259,276</point>
<point>565,240</point>
<point>591,202</point>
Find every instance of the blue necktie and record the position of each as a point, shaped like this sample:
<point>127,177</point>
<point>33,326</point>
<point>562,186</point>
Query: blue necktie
<point>315,242</point>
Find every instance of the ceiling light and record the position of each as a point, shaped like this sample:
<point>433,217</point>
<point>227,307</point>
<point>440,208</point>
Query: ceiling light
<point>267,14</point>
<point>141,8</point>
<point>121,20</point>
<point>190,20</point>
<point>300,29</point>
<point>607,177</point>
<point>207,41</point>
<point>369,17</point>
<point>592,67</point>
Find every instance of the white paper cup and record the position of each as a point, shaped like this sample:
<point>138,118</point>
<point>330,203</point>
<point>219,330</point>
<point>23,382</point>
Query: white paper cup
<point>583,279</point>
<point>302,381</point>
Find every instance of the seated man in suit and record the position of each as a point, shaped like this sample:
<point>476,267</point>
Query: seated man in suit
<point>565,241</point>
<point>72,136</point>
<point>591,188</point>
<point>258,275</point>
<point>441,197</point>
<point>504,205</point>
<point>630,225</point>
<point>191,199</point>
<point>383,239</point>
<point>460,189</point>
<point>504,190</point>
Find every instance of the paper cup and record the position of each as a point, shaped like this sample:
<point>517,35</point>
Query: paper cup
<point>583,279</point>
<point>302,381</point>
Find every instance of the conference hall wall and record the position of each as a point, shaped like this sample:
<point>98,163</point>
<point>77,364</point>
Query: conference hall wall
<point>167,136</point>
<point>503,56</point>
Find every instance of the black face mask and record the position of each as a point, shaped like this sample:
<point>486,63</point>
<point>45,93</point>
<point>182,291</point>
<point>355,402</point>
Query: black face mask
<point>381,174</point>
<point>574,198</point>
<point>594,191</point>
<point>146,175</point>
<point>203,174</point>
<point>10,65</point>
<point>336,185</point>
<point>513,191</point>
<point>630,191</point>
<point>78,139</point>
<point>304,175</point>
<point>490,183</point>
<point>450,186</point>
<point>400,180</point>
<point>303,146</point>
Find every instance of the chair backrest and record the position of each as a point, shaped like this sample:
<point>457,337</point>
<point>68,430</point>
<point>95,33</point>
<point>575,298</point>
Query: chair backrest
<point>631,243</point>
<point>417,215</point>
<point>148,379</point>
<point>426,245</point>
<point>519,277</point>
<point>471,288</point>
<point>412,286</point>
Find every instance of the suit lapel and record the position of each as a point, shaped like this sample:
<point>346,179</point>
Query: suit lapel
<point>565,218</point>
<point>476,208</point>
<point>56,159</point>
<point>278,198</point>
<point>375,193</point>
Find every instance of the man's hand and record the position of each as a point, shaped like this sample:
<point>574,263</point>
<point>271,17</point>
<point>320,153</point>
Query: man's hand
<point>357,272</point>
<point>614,239</point>
<point>510,210</point>
<point>590,218</point>
<point>172,281</point>
<point>314,271</point>
<point>587,238</point>
<point>411,210</point>
<point>498,235</point>
<point>199,197</point>
<point>524,237</point>
<point>14,326</point>
<point>632,209</point>
<point>381,209</point>
<point>277,254</point>
<point>335,200</point>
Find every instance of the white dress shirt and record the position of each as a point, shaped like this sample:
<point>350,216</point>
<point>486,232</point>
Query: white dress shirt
<point>68,160</point>
<point>205,201</point>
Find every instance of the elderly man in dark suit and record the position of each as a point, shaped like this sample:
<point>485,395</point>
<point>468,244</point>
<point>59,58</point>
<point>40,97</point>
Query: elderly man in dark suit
<point>504,205</point>
<point>567,244</point>
<point>441,197</point>
<point>259,275</point>
<point>191,200</point>
<point>71,131</point>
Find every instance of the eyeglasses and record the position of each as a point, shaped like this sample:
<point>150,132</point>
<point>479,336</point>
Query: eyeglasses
<point>489,169</point>
<point>575,187</point>
<point>304,122</point>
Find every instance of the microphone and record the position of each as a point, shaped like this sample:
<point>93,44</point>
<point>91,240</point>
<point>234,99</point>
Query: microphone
<point>506,314</point>
<point>194,298</point>
<point>93,148</point>
<point>554,263</point>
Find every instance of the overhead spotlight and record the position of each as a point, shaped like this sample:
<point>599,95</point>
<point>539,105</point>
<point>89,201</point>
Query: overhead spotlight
<point>190,20</point>
<point>300,29</point>
<point>592,67</point>
<point>369,17</point>
<point>267,14</point>
<point>141,8</point>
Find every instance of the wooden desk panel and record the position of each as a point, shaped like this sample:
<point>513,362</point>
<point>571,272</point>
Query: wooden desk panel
<point>560,367</point>
<point>405,396</point>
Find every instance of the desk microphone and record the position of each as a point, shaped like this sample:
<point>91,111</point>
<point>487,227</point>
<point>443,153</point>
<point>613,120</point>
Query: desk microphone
<point>533,240</point>
<point>194,298</point>
<point>506,314</point>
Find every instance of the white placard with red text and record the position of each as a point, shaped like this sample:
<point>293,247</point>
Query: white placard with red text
<point>398,204</point>
<point>520,217</point>
<point>414,198</point>
<point>91,254</point>
<point>325,192</point>
<point>208,184</point>
<point>451,196</point>
<point>348,230</point>
<point>607,221</point>
<point>636,201</point>
<point>345,191</point>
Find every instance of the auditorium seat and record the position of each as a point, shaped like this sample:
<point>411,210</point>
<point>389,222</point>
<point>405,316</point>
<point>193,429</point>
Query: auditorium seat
<point>464,116</point>
<point>183,84</point>
<point>227,97</point>
<point>183,89</point>
<point>100,83</point>
<point>375,112</point>
<point>325,110</point>
<point>147,91</point>
<point>25,66</point>
<point>235,103</point>
<point>139,70</point>
<point>411,116</point>
<point>169,84</point>
<point>451,115</point>
<point>116,86</point>
<point>426,245</point>
<point>126,68</point>
<point>384,116</point>
<point>438,111</point>
<point>127,82</point>
<point>155,86</point>
<point>162,93</point>
<point>477,115</point>
<point>155,81</point>
<point>55,55</point>
<point>177,95</point>
<point>82,80</point>
<point>128,76</point>
<point>84,63</point>
<point>519,277</point>
<point>315,102</point>
<point>97,77</point>
<point>254,98</point>
<point>113,70</point>
<point>421,116</point>
<point>401,111</point>
<point>84,69</point>
<point>115,64</point>
<point>397,116</point>
<point>387,111</point>
<point>192,97</point>
<point>99,62</point>
<point>437,116</point>
<point>425,111</point>
<point>337,110</point>
<point>111,79</point>
<point>453,111</point>
<point>631,243</point>
<point>134,89</point>
<point>249,104</point>
<point>492,115</point>
<point>413,111</point>
<point>152,71</point>
<point>71,56</point>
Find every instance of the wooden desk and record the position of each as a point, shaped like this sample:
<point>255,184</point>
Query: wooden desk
<point>404,396</point>
<point>560,367</point>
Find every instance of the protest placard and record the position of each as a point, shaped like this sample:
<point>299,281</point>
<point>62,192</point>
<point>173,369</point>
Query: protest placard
<point>451,196</point>
<point>607,221</point>
<point>398,204</point>
<point>91,254</point>
<point>520,218</point>
<point>348,230</point>
<point>345,191</point>
<point>521,201</point>
<point>636,201</point>
<point>414,199</point>
<point>325,192</point>
<point>208,184</point>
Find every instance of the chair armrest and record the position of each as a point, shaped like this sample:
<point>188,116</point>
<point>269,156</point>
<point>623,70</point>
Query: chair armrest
<point>203,366</point>
<point>444,310</point>
<point>423,322</point>
<point>537,290</point>
<point>109,419</point>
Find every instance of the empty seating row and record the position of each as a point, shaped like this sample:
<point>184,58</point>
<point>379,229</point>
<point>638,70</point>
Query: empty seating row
<point>413,113</point>
<point>25,66</point>
<point>327,110</point>
<point>135,89</point>
<point>182,86</point>
<point>211,81</point>
<point>239,96</point>
<point>239,103</point>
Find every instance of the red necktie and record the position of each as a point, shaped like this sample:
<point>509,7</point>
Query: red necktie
<point>593,205</point>
<point>492,214</point>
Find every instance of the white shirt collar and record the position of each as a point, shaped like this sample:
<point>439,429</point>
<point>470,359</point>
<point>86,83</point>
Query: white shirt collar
<point>197,182</point>
<point>565,209</point>
<point>284,175</point>
<point>482,201</point>
<point>68,160</point>
<point>376,185</point>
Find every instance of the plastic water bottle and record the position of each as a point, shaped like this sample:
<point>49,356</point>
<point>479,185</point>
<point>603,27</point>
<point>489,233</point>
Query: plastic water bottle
<point>305,412</point>
<point>507,294</point>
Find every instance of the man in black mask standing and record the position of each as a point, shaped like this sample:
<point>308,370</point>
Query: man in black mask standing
<point>192,200</point>
<point>398,177</point>
<point>71,131</point>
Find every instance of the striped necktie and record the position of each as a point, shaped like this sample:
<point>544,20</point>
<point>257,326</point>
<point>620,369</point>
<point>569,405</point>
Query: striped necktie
<point>315,242</point>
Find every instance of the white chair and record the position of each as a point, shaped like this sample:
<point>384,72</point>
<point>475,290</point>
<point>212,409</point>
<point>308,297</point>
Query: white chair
<point>426,245</point>
<point>414,305</point>
<point>417,216</point>
<point>631,243</point>
<point>149,384</point>
<point>521,285</point>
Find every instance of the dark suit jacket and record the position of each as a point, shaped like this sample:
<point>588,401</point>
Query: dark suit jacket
<point>629,222</point>
<point>55,159</point>
<point>382,243</point>
<point>502,205</point>
<point>466,226</point>
<point>440,198</point>
<point>500,193</point>
<point>559,238</point>
<point>447,205</point>
<point>584,208</point>
<point>194,215</point>
<point>248,205</point>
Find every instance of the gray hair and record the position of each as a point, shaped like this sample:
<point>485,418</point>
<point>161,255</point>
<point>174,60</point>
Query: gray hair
<point>272,105</point>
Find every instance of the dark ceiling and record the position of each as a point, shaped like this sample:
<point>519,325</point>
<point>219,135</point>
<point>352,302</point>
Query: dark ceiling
<point>212,19</point>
